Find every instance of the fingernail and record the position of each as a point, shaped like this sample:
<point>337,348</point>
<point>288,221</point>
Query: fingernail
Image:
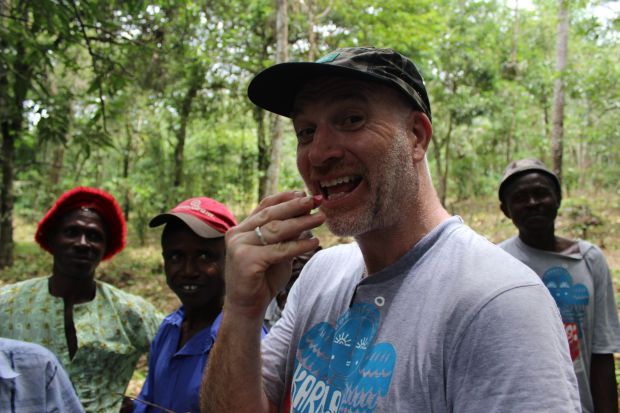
<point>307,200</point>
<point>299,193</point>
<point>318,199</point>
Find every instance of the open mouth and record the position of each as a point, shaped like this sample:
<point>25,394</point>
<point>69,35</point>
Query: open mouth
<point>339,187</point>
<point>81,258</point>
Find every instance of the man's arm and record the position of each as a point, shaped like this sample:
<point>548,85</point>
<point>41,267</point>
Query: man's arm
<point>233,380</point>
<point>603,383</point>
<point>254,274</point>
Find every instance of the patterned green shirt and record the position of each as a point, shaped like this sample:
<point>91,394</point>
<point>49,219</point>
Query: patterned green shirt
<point>113,330</point>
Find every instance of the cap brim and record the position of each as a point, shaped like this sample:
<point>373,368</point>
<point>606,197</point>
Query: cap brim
<point>275,88</point>
<point>520,171</point>
<point>200,228</point>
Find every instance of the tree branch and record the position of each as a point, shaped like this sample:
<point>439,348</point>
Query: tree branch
<point>94,58</point>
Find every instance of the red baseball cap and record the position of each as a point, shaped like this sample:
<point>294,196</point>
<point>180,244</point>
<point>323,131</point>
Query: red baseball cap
<point>103,203</point>
<point>205,216</point>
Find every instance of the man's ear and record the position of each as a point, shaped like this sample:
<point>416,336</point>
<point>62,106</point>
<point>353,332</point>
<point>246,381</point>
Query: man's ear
<point>505,210</point>
<point>422,130</point>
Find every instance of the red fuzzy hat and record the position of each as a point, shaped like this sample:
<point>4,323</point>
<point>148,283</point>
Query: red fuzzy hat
<point>92,198</point>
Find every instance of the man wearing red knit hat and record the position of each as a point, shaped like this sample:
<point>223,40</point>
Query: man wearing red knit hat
<point>97,331</point>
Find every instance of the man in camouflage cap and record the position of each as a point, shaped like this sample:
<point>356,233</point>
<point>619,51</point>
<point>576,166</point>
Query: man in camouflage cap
<point>420,313</point>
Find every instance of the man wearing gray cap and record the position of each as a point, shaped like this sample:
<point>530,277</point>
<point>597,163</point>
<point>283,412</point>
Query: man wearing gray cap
<point>576,274</point>
<point>420,313</point>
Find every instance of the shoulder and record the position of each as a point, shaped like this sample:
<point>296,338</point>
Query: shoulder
<point>169,329</point>
<point>508,244</point>
<point>128,303</point>
<point>124,298</point>
<point>476,270</point>
<point>175,318</point>
<point>339,259</point>
<point>487,259</point>
<point>24,286</point>
<point>23,289</point>
<point>31,353</point>
<point>590,251</point>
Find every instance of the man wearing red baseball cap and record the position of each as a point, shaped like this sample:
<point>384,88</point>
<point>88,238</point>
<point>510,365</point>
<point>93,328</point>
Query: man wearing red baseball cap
<point>97,331</point>
<point>194,252</point>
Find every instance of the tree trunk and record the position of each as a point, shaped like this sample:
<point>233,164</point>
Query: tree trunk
<point>58,156</point>
<point>195,83</point>
<point>263,151</point>
<point>6,195</point>
<point>271,182</point>
<point>514,63</point>
<point>11,122</point>
<point>126,160</point>
<point>443,186</point>
<point>557,136</point>
<point>442,162</point>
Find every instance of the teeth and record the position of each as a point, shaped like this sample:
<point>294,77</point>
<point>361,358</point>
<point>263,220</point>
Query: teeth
<point>189,287</point>
<point>336,181</point>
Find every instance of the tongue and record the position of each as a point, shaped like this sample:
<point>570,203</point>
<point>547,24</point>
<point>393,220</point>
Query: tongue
<point>341,188</point>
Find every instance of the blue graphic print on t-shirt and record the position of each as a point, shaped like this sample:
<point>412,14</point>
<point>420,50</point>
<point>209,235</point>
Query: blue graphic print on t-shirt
<point>342,369</point>
<point>572,300</point>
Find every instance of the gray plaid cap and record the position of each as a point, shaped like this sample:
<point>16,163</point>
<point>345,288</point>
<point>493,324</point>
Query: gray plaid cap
<point>522,166</point>
<point>275,88</point>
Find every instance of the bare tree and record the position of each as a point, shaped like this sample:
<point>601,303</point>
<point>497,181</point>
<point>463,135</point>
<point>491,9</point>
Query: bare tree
<point>277,132</point>
<point>557,135</point>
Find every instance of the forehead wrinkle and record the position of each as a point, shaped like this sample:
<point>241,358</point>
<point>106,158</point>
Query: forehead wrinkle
<point>336,89</point>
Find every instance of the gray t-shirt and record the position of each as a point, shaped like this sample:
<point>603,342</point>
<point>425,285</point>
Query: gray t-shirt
<point>581,285</point>
<point>456,324</point>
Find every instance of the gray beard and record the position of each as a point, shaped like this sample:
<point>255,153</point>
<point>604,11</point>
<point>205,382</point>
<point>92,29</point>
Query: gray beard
<point>395,184</point>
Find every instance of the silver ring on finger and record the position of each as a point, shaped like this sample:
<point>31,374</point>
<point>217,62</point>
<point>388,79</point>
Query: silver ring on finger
<point>260,236</point>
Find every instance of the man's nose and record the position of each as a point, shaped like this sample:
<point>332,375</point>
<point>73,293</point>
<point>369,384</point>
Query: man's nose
<point>82,240</point>
<point>324,147</point>
<point>190,268</point>
<point>532,199</point>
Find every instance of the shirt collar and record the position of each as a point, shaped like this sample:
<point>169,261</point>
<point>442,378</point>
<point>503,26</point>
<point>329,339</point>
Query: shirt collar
<point>6,372</point>
<point>203,340</point>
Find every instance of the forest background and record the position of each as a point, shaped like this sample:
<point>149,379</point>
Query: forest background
<point>147,99</point>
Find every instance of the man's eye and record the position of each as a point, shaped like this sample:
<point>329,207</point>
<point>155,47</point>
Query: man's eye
<point>70,232</point>
<point>304,135</point>
<point>172,256</point>
<point>208,257</point>
<point>542,192</point>
<point>352,121</point>
<point>95,237</point>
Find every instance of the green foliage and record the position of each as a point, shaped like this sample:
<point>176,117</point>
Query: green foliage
<point>115,85</point>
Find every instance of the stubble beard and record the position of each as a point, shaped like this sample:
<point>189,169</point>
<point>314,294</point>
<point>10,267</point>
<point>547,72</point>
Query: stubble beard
<point>395,184</point>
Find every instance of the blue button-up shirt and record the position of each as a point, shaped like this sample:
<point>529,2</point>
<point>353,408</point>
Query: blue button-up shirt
<point>32,380</point>
<point>174,377</point>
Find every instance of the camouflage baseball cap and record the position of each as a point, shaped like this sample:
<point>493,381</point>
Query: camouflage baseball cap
<point>275,88</point>
<point>522,166</point>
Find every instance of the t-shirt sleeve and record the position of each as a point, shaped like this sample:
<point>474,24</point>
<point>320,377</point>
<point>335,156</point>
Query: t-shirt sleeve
<point>275,348</point>
<point>606,333</point>
<point>513,357</point>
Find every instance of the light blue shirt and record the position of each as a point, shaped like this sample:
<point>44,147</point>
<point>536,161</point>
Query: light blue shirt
<point>33,381</point>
